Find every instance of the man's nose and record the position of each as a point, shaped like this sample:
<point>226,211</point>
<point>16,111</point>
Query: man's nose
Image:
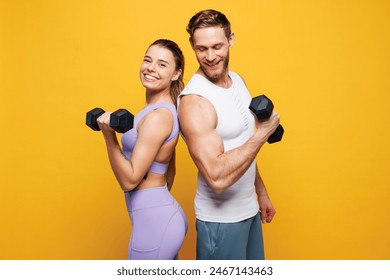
<point>210,55</point>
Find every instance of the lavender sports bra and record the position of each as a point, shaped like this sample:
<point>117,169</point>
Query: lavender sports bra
<point>130,137</point>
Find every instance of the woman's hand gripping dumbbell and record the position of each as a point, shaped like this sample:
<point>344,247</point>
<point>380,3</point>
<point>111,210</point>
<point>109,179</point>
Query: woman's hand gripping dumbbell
<point>121,120</point>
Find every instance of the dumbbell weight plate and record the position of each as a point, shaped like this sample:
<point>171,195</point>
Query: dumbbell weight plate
<point>121,120</point>
<point>92,117</point>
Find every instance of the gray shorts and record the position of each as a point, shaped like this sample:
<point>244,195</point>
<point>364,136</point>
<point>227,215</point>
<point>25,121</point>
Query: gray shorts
<point>230,241</point>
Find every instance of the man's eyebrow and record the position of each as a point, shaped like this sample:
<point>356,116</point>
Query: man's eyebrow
<point>214,45</point>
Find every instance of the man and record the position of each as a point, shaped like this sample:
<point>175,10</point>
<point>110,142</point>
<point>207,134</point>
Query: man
<point>220,134</point>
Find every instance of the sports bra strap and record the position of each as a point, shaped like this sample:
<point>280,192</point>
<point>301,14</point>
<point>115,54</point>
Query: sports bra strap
<point>129,138</point>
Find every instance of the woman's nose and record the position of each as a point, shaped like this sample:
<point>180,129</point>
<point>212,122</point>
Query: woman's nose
<point>151,67</point>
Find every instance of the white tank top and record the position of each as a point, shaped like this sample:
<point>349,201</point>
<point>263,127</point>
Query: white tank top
<point>235,126</point>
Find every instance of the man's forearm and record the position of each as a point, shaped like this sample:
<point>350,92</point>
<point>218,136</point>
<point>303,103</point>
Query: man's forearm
<point>231,166</point>
<point>259,184</point>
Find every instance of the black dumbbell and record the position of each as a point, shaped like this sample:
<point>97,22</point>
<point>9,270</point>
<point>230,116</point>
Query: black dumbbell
<point>262,107</point>
<point>121,120</point>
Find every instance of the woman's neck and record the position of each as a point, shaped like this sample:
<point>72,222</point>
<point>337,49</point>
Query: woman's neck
<point>153,97</point>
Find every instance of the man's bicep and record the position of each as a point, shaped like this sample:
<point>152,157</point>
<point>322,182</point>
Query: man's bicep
<point>198,124</point>
<point>205,147</point>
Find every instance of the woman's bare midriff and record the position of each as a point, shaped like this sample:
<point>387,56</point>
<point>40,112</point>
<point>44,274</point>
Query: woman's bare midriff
<point>152,180</point>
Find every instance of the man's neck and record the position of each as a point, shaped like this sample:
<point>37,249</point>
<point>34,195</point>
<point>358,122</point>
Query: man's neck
<point>224,81</point>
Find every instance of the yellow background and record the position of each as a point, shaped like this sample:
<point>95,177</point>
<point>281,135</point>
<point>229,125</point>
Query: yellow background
<point>325,64</point>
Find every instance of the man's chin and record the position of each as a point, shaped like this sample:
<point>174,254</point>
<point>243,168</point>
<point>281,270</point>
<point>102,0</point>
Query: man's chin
<point>212,75</point>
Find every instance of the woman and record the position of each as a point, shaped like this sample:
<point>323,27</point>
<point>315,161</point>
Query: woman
<point>145,168</point>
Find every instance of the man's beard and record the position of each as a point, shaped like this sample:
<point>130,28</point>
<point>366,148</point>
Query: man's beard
<point>215,77</point>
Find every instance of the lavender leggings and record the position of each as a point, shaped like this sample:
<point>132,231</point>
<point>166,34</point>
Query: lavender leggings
<point>158,224</point>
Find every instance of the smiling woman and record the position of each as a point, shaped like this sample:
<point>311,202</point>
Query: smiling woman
<point>161,69</point>
<point>145,167</point>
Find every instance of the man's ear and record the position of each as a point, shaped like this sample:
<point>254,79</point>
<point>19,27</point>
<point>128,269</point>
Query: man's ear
<point>231,39</point>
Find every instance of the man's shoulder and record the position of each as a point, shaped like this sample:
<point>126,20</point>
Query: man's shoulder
<point>194,100</point>
<point>236,76</point>
<point>196,81</point>
<point>196,88</point>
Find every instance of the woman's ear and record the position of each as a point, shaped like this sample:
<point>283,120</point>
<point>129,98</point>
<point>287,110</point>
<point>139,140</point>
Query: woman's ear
<point>176,76</point>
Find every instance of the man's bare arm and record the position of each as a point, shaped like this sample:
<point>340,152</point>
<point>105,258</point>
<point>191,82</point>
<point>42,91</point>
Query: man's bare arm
<point>220,169</point>
<point>265,206</point>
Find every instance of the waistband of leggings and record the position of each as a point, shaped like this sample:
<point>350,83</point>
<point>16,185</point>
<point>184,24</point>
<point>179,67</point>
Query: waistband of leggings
<point>148,198</point>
